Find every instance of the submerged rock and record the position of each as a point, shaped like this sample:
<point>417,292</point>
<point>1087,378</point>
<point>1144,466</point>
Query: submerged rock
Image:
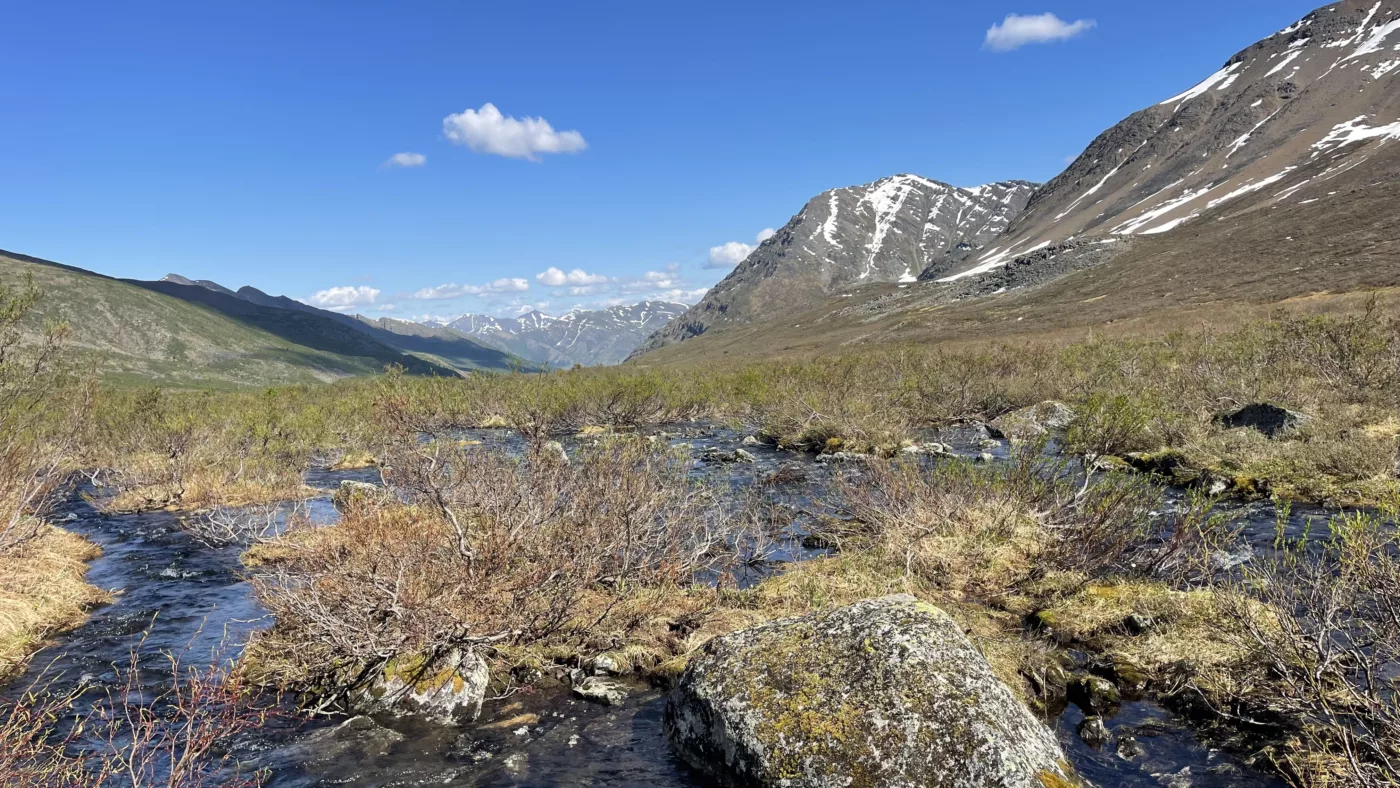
<point>883,692</point>
<point>452,690</point>
<point>600,690</point>
<point>352,494</point>
<point>1031,423</point>
<point>1093,732</point>
<point>715,455</point>
<point>1271,420</point>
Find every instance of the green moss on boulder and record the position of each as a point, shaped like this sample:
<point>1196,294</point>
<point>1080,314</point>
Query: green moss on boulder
<point>883,692</point>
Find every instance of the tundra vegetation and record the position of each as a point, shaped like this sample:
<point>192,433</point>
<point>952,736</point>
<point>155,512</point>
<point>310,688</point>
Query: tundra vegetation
<point>534,561</point>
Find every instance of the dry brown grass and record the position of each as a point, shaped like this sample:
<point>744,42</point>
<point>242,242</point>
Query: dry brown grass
<point>43,593</point>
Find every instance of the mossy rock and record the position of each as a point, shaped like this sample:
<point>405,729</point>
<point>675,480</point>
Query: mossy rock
<point>883,692</point>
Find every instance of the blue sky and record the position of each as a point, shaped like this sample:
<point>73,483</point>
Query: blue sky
<point>252,142</point>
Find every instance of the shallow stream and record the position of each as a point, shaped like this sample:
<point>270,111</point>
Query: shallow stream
<point>184,597</point>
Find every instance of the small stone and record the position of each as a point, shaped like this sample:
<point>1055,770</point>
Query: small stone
<point>606,665</point>
<point>1094,732</point>
<point>1094,694</point>
<point>1139,624</point>
<point>752,441</point>
<point>985,458</point>
<point>1129,748</point>
<point>600,690</point>
<point>523,730</point>
<point>1031,423</point>
<point>556,450</point>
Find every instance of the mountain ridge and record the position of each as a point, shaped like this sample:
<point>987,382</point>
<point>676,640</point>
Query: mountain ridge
<point>891,230</point>
<point>586,337</point>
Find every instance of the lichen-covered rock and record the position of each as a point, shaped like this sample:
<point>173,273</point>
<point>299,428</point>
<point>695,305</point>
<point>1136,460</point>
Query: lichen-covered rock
<point>885,692</point>
<point>1030,423</point>
<point>601,690</point>
<point>352,494</point>
<point>452,689</point>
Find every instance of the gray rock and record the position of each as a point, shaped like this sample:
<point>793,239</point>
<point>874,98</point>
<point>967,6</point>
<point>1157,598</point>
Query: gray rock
<point>752,441</point>
<point>452,690</point>
<point>1129,748</point>
<point>557,450</point>
<point>1093,732</point>
<point>1139,624</point>
<point>718,456</point>
<point>601,690</point>
<point>935,449</point>
<point>884,692</point>
<point>1094,694</point>
<point>1031,423</point>
<point>606,665</point>
<point>1271,420</point>
<point>351,494</point>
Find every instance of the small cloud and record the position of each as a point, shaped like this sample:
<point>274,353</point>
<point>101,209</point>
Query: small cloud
<point>406,160</point>
<point>1017,31</point>
<point>341,299</point>
<point>735,252</point>
<point>488,131</point>
<point>553,277</point>
<point>729,255</point>
<point>450,291</point>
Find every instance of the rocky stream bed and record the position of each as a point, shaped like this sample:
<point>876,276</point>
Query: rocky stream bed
<point>175,594</point>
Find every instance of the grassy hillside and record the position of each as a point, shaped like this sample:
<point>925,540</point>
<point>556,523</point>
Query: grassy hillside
<point>443,346</point>
<point>131,333</point>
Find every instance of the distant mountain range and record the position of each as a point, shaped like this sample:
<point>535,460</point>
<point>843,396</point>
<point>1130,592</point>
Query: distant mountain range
<point>1273,177</point>
<point>587,338</point>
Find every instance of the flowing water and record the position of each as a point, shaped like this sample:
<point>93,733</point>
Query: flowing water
<point>175,594</point>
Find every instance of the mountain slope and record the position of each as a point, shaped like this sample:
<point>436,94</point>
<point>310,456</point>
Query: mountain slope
<point>1283,119</point>
<point>1273,181</point>
<point>604,336</point>
<point>438,347</point>
<point>887,231</point>
<point>139,334</point>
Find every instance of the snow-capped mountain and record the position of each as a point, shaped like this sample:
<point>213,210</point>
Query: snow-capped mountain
<point>1278,124</point>
<point>891,230</point>
<point>604,336</point>
<point>1282,129</point>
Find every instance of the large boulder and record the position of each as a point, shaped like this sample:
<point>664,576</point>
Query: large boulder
<point>450,689</point>
<point>1027,424</point>
<point>1271,420</point>
<point>886,692</point>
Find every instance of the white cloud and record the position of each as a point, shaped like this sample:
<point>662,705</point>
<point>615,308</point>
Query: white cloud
<point>553,277</point>
<point>488,131</point>
<point>1017,31</point>
<point>406,160</point>
<point>340,299</point>
<point>734,252</point>
<point>450,291</point>
<point>729,255</point>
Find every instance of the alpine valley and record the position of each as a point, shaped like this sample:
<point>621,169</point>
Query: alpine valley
<point>1273,179</point>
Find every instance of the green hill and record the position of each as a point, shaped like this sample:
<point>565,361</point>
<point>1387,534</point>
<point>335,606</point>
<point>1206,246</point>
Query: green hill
<point>140,334</point>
